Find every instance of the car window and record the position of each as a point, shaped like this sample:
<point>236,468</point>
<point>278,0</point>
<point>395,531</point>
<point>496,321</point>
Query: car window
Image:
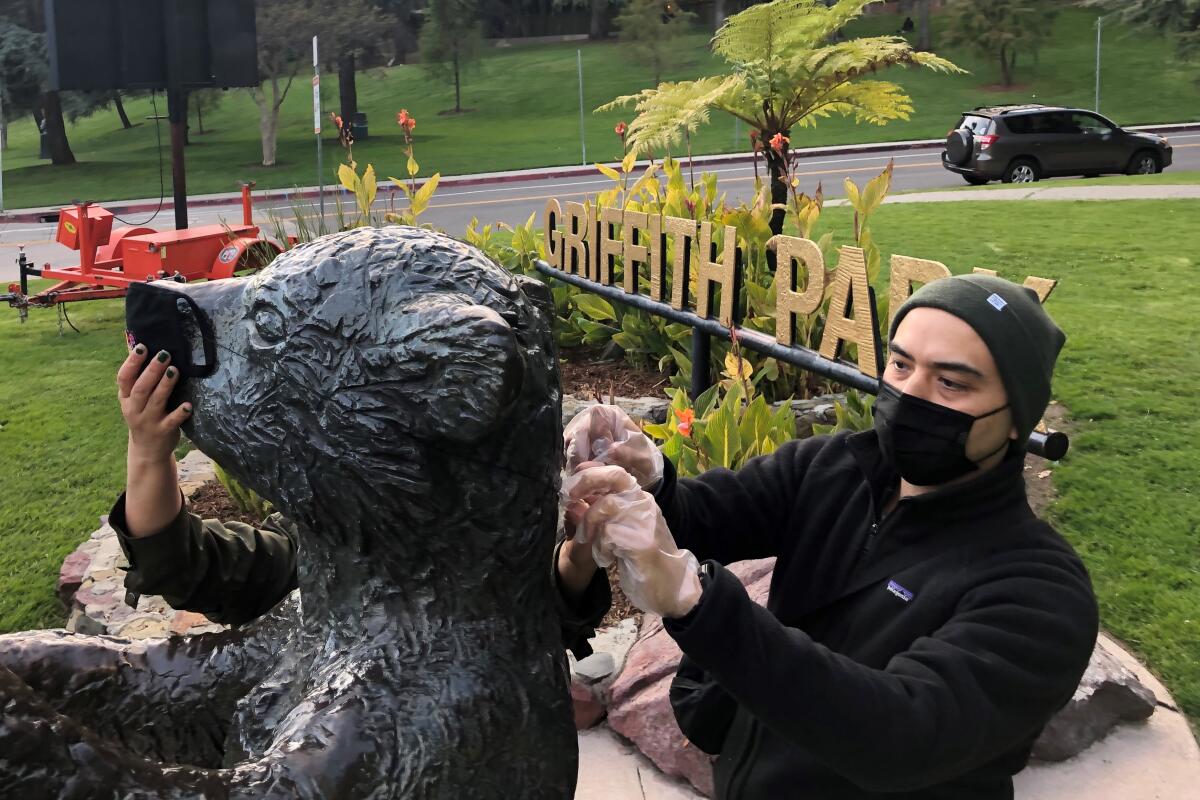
<point>1087,123</point>
<point>1020,123</point>
<point>975,124</point>
<point>1051,122</point>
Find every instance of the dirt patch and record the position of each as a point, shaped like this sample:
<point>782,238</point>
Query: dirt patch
<point>1039,483</point>
<point>211,501</point>
<point>621,607</point>
<point>585,373</point>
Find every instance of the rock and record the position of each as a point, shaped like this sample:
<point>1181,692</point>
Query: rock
<point>79,622</point>
<point>639,707</point>
<point>1108,695</point>
<point>143,627</point>
<point>195,470</point>
<point>588,710</point>
<point>616,642</point>
<point>70,575</point>
<point>595,667</point>
<point>814,410</point>
<point>183,622</point>
<point>641,711</point>
<point>649,409</point>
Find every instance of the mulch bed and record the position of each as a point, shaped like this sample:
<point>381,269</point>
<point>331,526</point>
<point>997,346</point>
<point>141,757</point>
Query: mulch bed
<point>211,501</point>
<point>585,373</point>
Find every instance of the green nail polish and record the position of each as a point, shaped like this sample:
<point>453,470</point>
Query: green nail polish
<point>170,372</point>
<point>187,409</point>
<point>163,355</point>
<point>140,349</point>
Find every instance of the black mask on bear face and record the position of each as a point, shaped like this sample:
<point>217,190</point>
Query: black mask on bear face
<point>925,442</point>
<point>163,318</point>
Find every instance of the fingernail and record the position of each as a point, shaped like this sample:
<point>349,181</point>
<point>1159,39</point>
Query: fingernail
<point>163,355</point>
<point>170,372</point>
<point>140,349</point>
<point>187,408</point>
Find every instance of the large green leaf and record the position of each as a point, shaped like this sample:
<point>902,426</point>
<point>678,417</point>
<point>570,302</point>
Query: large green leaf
<point>723,442</point>
<point>596,308</point>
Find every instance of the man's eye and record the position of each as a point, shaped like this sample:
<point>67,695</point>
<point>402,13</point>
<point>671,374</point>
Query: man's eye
<point>949,384</point>
<point>900,365</point>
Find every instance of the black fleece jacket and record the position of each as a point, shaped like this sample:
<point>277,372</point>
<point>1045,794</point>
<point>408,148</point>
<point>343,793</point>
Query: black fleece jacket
<point>913,655</point>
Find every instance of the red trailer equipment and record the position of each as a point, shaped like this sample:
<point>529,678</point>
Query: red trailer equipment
<point>112,260</point>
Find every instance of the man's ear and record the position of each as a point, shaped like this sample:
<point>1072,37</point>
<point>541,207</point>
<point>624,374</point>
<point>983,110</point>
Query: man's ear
<point>469,364</point>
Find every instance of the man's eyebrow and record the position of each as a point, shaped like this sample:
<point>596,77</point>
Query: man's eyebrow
<point>946,366</point>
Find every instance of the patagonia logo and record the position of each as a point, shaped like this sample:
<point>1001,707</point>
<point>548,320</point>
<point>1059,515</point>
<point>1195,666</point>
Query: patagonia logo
<point>997,302</point>
<point>899,591</point>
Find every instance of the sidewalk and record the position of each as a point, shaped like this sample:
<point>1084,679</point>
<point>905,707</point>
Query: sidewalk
<point>121,207</point>
<point>1154,760</point>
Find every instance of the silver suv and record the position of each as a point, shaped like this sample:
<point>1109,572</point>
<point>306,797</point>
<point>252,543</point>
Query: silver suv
<point>1020,144</point>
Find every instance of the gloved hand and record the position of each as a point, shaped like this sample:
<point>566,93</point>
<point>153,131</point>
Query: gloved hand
<point>624,524</point>
<point>605,434</point>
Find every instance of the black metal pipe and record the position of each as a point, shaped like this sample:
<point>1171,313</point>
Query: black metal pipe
<point>701,369</point>
<point>1051,446</point>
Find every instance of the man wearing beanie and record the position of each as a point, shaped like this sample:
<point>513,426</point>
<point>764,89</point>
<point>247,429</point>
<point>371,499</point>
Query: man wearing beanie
<point>922,625</point>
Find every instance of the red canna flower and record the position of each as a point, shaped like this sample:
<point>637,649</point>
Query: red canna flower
<point>686,417</point>
<point>405,121</point>
<point>337,121</point>
<point>779,142</point>
<point>621,129</point>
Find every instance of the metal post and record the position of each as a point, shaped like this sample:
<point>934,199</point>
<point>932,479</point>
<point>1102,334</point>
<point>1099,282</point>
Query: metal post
<point>1099,26</point>
<point>582,137</point>
<point>175,111</point>
<point>1,147</point>
<point>316,82</point>
<point>701,355</point>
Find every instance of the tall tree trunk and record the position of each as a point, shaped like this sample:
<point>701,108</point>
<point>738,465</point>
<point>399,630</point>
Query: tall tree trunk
<point>56,130</point>
<point>597,28</point>
<point>777,165</point>
<point>1005,69</point>
<point>347,90</point>
<point>268,124</point>
<point>924,34</point>
<point>718,14</point>
<point>457,85</point>
<point>200,118</point>
<point>3,127</point>
<point>125,123</point>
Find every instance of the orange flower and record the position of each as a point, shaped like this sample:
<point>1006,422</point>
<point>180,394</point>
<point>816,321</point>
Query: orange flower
<point>686,417</point>
<point>779,142</point>
<point>336,120</point>
<point>621,129</point>
<point>405,121</point>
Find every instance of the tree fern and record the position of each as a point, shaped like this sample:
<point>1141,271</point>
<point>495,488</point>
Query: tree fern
<point>784,71</point>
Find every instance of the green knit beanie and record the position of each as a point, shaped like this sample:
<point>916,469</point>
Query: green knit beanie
<point>1022,338</point>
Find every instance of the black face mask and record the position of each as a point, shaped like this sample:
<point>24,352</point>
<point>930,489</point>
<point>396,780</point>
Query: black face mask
<point>163,318</point>
<point>925,442</point>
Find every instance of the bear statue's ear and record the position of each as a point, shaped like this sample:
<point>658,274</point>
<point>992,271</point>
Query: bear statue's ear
<point>465,366</point>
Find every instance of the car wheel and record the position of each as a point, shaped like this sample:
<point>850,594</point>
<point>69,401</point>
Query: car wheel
<point>975,180</point>
<point>1023,170</point>
<point>1143,163</point>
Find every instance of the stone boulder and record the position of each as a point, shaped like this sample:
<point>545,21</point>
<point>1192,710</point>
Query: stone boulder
<point>1108,695</point>
<point>639,706</point>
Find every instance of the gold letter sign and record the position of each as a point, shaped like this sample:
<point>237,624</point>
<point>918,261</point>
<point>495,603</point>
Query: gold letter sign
<point>790,303</point>
<point>850,291</point>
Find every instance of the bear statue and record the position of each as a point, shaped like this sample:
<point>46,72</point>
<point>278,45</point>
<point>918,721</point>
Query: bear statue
<point>395,394</point>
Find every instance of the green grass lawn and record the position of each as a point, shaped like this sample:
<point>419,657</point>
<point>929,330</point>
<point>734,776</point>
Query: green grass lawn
<point>526,114</point>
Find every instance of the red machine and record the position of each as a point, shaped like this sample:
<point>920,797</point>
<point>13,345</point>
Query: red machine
<point>111,260</point>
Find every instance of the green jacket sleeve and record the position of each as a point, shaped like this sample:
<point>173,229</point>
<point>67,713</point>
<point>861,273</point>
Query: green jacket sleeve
<point>230,572</point>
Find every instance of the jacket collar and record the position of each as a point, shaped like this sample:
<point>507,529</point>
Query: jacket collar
<point>999,492</point>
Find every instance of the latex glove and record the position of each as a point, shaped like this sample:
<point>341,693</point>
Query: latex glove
<point>624,524</point>
<point>605,434</point>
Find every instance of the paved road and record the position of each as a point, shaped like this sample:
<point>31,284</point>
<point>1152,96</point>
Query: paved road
<point>513,202</point>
